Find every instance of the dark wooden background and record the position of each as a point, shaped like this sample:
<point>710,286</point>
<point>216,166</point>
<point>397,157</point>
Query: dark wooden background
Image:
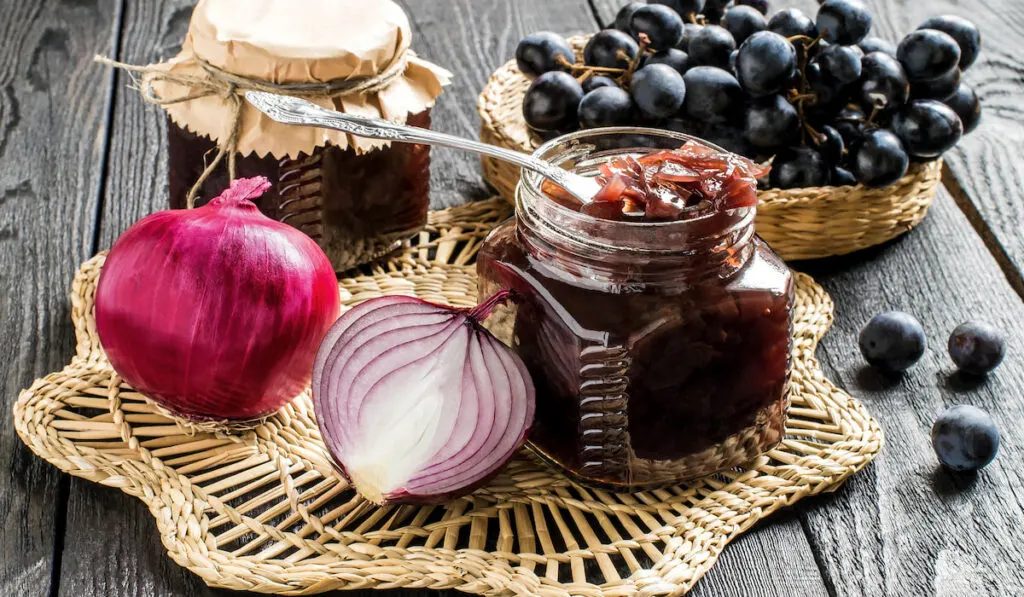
<point>81,159</point>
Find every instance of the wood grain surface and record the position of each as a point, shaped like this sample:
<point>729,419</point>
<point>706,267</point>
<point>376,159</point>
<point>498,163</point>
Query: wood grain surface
<point>83,158</point>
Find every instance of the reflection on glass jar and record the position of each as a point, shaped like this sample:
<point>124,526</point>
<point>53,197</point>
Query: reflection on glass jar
<point>660,351</point>
<point>356,206</point>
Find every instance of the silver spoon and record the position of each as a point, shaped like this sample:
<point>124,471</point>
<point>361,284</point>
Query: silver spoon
<point>293,110</point>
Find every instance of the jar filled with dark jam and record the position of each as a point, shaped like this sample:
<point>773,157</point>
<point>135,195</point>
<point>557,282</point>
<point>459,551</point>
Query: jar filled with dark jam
<point>356,206</point>
<point>660,344</point>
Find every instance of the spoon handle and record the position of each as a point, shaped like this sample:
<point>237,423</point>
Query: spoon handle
<point>294,110</point>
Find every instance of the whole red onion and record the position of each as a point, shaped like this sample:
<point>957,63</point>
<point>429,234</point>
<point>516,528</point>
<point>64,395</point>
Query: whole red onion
<point>216,312</point>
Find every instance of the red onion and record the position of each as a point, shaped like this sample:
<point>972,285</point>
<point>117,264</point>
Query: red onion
<point>417,402</point>
<point>216,312</point>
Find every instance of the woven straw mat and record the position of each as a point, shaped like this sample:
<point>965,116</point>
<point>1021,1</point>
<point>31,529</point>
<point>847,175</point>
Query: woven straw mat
<point>263,509</point>
<point>805,223</point>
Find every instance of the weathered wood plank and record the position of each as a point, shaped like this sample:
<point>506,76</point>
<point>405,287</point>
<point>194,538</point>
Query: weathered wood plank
<point>53,125</point>
<point>905,526</point>
<point>472,38</point>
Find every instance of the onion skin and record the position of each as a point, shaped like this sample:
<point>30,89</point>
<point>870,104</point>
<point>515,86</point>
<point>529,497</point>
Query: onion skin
<point>216,313</point>
<point>417,403</point>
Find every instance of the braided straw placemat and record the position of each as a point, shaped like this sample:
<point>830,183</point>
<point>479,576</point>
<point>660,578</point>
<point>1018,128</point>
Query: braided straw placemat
<point>798,223</point>
<point>263,509</point>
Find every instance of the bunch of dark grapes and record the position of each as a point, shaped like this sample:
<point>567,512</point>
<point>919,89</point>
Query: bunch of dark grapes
<point>820,97</point>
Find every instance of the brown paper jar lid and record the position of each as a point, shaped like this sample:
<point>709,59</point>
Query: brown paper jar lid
<point>288,42</point>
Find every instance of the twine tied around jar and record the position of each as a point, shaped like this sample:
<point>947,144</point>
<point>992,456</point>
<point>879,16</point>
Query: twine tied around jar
<point>232,88</point>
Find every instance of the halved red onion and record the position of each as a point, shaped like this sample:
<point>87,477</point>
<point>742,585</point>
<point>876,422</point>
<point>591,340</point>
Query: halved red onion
<point>417,402</point>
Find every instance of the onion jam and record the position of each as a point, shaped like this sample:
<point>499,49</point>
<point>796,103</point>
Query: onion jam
<point>678,184</point>
<point>655,324</point>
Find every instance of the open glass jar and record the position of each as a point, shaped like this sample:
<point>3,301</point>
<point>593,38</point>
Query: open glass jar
<point>660,350</point>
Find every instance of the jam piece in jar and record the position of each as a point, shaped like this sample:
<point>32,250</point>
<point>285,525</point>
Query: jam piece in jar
<point>678,184</point>
<point>659,343</point>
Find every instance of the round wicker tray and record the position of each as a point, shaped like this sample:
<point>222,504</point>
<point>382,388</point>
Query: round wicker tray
<point>798,223</point>
<point>263,509</point>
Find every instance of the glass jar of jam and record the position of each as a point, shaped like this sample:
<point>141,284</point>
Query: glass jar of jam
<point>358,198</point>
<point>659,347</point>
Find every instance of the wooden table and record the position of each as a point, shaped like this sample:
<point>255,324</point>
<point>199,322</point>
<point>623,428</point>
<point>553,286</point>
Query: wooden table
<point>82,158</point>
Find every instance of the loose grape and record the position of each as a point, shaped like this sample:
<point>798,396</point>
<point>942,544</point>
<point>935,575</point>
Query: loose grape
<point>892,341</point>
<point>542,52</point>
<point>977,347</point>
<point>965,438</point>
<point>551,102</point>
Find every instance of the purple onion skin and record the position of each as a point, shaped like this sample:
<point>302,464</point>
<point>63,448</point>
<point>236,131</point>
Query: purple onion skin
<point>216,313</point>
<point>331,403</point>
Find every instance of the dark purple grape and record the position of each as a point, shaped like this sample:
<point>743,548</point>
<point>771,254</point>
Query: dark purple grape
<point>714,10</point>
<point>966,105</point>
<point>789,22</point>
<point>610,48</point>
<point>843,21</point>
<point>880,159</point>
<point>849,123</point>
<point>551,102</point>
<point>543,52</point>
<point>966,34</point>
<point>606,106</point>
<point>839,63</point>
<point>728,137</point>
<point>829,92</point>
<point>742,22</point>
<point>927,128</point>
<point>797,168</point>
<point>598,81</point>
<point>677,59</point>
<point>977,347</point>
<point>658,90</point>
<point>689,30</point>
<point>927,54</point>
<point>965,438</point>
<point>841,177</point>
<point>831,146</point>
<point>662,26</point>
<point>771,123</point>
<point>892,341</point>
<point>684,8</point>
<point>877,44</point>
<point>711,46</point>
<point>624,15</point>
<point>760,5</point>
<point>939,88</point>
<point>712,94</point>
<point>883,82</point>
<point>765,63</point>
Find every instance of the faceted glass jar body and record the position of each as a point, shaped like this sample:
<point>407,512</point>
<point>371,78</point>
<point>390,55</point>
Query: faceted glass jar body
<point>660,351</point>
<point>355,206</point>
